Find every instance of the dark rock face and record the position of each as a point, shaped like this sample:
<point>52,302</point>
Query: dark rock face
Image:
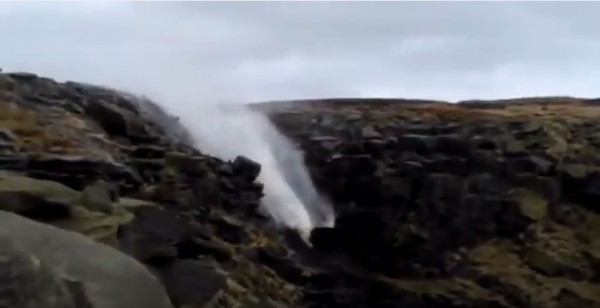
<point>447,197</point>
<point>245,167</point>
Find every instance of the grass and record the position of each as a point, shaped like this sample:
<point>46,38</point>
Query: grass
<point>51,131</point>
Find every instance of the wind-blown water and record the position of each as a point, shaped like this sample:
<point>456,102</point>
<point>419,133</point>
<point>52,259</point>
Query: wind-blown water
<point>290,196</point>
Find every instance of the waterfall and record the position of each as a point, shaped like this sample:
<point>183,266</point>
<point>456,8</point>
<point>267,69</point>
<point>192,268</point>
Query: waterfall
<point>227,130</point>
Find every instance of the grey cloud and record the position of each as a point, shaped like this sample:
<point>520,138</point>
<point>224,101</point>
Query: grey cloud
<point>274,50</point>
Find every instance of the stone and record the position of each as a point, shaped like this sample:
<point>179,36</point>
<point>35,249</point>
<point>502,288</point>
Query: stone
<point>421,144</point>
<point>528,165</point>
<point>514,148</point>
<point>451,144</point>
<point>246,168</point>
<point>23,76</point>
<point>575,171</point>
<point>200,246</point>
<point>590,193</point>
<point>99,196</point>
<point>117,121</point>
<point>487,184</point>
<point>81,165</point>
<point>149,152</point>
<point>448,165</point>
<point>154,234</point>
<point>193,283</point>
<point>188,164</point>
<point>131,203</point>
<point>532,205</point>
<point>27,282</point>
<point>369,132</point>
<point>108,278</point>
<point>486,161</point>
<point>36,199</point>
<point>6,135</point>
<point>542,262</point>
<point>351,165</point>
<point>483,143</point>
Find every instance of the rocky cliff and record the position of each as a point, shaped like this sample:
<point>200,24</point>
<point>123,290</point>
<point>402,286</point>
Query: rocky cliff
<point>477,204</point>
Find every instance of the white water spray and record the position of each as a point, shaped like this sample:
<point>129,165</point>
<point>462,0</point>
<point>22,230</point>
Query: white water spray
<point>290,196</point>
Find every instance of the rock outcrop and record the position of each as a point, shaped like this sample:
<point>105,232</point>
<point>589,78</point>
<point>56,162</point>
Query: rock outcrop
<point>119,170</point>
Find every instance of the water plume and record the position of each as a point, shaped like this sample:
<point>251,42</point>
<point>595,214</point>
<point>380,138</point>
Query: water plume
<point>228,130</point>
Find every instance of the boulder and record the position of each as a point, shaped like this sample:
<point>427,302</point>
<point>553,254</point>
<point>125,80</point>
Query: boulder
<point>118,121</point>
<point>193,283</point>
<point>108,278</point>
<point>27,282</point>
<point>99,197</point>
<point>246,168</point>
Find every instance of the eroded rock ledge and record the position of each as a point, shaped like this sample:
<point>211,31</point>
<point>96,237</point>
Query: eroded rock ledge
<point>479,204</point>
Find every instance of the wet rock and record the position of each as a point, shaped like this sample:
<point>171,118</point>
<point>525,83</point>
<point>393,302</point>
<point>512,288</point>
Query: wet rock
<point>246,168</point>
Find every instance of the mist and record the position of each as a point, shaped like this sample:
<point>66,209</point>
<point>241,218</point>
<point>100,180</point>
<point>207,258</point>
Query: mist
<point>227,130</point>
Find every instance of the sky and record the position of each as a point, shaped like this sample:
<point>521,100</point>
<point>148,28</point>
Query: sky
<point>247,52</point>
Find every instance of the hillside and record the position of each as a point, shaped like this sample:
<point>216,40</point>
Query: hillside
<point>475,204</point>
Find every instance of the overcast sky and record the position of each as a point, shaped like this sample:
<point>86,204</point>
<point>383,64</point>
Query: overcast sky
<point>263,51</point>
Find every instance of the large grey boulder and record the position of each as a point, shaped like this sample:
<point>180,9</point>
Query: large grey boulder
<point>106,277</point>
